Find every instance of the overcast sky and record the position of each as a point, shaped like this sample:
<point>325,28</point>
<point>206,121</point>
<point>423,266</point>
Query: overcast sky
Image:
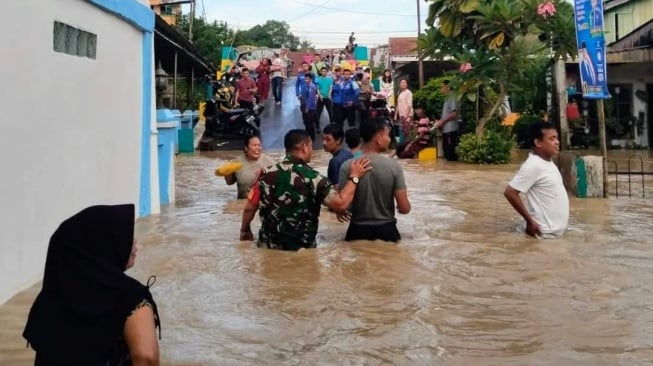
<point>326,23</point>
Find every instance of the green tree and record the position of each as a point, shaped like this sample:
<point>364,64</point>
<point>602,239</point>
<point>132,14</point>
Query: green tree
<point>306,45</point>
<point>273,34</point>
<point>494,40</point>
<point>208,38</point>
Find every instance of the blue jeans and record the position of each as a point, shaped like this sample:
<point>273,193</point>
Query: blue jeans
<point>277,88</point>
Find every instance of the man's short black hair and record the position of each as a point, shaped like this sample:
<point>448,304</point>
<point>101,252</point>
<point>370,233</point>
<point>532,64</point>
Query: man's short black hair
<point>352,138</point>
<point>371,127</point>
<point>536,130</point>
<point>294,138</point>
<point>334,130</point>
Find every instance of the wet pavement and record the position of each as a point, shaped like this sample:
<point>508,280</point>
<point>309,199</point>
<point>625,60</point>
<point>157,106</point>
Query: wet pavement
<point>276,120</point>
<point>462,287</point>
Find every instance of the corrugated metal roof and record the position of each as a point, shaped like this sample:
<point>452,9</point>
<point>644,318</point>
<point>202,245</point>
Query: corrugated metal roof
<point>402,46</point>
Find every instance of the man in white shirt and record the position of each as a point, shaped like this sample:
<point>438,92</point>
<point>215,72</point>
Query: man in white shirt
<point>546,214</point>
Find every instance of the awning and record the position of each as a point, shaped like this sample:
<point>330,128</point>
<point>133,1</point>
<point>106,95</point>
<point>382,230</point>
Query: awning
<point>167,42</point>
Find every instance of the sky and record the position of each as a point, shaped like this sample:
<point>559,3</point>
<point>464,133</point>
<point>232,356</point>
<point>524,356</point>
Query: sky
<point>326,23</point>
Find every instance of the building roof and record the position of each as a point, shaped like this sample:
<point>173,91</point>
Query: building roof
<point>611,4</point>
<point>402,46</point>
<point>167,41</point>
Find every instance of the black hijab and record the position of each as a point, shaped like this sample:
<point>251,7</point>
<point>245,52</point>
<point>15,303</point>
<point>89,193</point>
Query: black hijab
<point>78,317</point>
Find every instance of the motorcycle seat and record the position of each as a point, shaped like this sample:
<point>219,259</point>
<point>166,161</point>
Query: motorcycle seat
<point>235,111</point>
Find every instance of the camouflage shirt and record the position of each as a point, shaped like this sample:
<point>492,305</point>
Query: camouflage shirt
<point>290,195</point>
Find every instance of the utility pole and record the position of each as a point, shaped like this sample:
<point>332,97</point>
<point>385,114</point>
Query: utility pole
<point>192,19</point>
<point>420,62</point>
<point>604,144</point>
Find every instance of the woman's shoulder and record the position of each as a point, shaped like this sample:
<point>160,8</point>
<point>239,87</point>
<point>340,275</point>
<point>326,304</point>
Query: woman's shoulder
<point>265,161</point>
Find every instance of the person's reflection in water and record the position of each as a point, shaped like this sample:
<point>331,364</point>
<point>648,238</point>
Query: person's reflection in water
<point>89,312</point>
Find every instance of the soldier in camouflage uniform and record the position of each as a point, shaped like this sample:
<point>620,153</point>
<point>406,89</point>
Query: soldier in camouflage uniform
<point>289,195</point>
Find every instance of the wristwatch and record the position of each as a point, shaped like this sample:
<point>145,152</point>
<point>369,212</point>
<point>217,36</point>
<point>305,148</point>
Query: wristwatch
<point>353,179</point>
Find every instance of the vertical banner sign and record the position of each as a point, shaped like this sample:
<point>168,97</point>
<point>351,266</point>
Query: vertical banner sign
<point>591,48</point>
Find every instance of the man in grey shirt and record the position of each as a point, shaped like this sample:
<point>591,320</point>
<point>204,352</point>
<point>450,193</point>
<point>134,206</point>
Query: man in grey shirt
<point>450,123</point>
<point>373,207</point>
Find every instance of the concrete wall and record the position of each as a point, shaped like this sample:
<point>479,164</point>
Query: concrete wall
<point>637,75</point>
<point>72,126</point>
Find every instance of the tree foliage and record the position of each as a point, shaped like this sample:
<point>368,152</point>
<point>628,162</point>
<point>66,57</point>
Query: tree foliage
<point>210,37</point>
<point>495,40</point>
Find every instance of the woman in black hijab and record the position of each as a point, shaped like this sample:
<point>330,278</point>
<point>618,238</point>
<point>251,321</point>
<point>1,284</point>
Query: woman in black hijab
<point>89,312</point>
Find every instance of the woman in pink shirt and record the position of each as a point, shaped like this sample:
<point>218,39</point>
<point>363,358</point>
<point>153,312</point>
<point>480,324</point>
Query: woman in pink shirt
<point>308,58</point>
<point>404,109</point>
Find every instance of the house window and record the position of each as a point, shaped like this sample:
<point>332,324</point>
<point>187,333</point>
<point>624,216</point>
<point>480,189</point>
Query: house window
<point>73,41</point>
<point>616,27</point>
<point>622,97</point>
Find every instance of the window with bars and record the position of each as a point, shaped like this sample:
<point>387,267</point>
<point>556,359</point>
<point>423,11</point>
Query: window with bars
<point>73,41</point>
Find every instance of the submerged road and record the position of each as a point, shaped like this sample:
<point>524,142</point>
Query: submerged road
<point>276,120</point>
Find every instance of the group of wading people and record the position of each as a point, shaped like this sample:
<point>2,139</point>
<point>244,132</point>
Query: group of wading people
<point>89,312</point>
<point>371,187</point>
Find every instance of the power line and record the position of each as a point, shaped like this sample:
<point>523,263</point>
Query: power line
<point>310,11</point>
<point>334,32</point>
<point>354,11</point>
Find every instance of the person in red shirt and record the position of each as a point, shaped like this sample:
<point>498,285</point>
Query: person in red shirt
<point>572,111</point>
<point>263,82</point>
<point>245,89</point>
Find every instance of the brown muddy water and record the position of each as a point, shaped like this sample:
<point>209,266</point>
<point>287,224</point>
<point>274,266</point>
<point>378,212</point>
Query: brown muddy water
<point>462,288</point>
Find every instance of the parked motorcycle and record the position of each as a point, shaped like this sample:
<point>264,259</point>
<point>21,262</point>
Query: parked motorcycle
<point>379,106</point>
<point>222,119</point>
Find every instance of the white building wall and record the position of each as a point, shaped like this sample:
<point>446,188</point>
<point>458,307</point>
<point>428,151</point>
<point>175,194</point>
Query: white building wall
<point>71,127</point>
<point>637,75</point>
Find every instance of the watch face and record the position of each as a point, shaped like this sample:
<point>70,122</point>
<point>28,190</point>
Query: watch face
<point>355,180</point>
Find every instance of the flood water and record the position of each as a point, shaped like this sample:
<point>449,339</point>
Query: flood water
<point>462,287</point>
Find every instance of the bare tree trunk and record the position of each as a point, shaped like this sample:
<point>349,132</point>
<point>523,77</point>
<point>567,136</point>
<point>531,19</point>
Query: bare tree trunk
<point>480,127</point>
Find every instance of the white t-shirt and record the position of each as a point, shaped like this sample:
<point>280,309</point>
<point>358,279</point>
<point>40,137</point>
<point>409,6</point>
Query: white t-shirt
<point>546,196</point>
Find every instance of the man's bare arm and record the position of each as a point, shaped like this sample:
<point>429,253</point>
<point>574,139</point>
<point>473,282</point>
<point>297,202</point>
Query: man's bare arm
<point>343,198</point>
<point>512,195</point>
<point>403,204</point>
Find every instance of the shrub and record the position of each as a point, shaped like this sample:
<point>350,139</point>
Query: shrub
<point>493,149</point>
